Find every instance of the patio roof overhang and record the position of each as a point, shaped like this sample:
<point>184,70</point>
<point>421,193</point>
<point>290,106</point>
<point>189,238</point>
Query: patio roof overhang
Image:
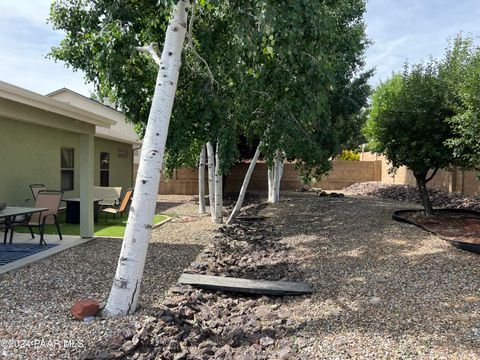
<point>22,96</point>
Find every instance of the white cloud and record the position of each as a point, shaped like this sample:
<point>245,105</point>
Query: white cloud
<point>25,40</point>
<point>414,30</point>
<point>36,11</point>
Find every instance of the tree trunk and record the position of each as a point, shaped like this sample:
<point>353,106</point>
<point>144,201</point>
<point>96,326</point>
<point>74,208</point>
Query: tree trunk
<point>277,176</point>
<point>422,188</point>
<point>271,177</point>
<point>243,190</point>
<point>201,182</point>
<point>211,179</point>
<point>218,189</point>
<point>128,277</point>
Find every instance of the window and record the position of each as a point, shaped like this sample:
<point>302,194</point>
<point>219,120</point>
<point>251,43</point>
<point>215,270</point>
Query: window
<point>104,168</point>
<point>67,168</point>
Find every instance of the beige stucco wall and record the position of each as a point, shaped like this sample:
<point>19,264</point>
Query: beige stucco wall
<point>120,168</point>
<point>30,154</point>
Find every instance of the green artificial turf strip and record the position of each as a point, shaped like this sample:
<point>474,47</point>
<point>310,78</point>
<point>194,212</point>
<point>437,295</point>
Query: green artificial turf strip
<point>111,227</point>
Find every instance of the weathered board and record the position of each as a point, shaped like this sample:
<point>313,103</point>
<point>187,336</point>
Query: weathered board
<point>251,218</point>
<point>263,287</point>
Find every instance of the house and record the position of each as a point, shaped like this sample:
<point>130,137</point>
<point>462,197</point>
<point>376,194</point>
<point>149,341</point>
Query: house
<point>65,141</point>
<point>111,144</point>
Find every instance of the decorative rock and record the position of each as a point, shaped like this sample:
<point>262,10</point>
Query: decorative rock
<point>174,346</point>
<point>266,341</point>
<point>103,355</point>
<point>284,353</point>
<point>263,312</point>
<point>237,336</point>
<point>223,352</point>
<point>128,347</point>
<point>84,308</point>
<point>375,300</point>
<point>170,303</point>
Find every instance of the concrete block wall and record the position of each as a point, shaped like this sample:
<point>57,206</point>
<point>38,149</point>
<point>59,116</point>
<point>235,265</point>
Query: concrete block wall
<point>343,174</point>
<point>454,180</point>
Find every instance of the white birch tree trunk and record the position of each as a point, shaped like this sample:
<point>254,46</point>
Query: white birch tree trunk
<point>211,179</point>
<point>270,176</point>
<point>274,178</point>
<point>278,174</point>
<point>201,182</point>
<point>128,277</point>
<point>218,189</point>
<point>246,181</point>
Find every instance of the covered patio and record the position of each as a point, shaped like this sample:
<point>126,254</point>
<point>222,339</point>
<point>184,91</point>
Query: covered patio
<point>35,131</point>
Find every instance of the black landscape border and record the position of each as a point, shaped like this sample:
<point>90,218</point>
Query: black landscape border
<point>457,244</point>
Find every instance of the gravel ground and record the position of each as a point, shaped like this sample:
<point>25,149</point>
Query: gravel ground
<point>384,289</point>
<point>35,300</point>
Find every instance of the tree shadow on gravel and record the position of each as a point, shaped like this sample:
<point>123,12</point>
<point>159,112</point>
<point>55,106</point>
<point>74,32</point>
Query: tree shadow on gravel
<point>373,275</point>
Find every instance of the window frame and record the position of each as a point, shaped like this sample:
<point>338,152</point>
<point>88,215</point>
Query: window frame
<point>104,170</point>
<point>70,170</point>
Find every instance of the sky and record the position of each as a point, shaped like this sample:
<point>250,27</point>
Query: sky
<point>399,29</point>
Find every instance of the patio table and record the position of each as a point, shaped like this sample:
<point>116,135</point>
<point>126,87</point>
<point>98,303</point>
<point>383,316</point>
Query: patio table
<point>73,210</point>
<point>10,212</point>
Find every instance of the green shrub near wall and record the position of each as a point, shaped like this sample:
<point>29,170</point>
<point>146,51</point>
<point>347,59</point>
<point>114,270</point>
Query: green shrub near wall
<point>350,155</point>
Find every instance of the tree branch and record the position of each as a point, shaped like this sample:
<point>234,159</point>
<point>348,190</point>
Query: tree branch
<point>431,176</point>
<point>299,125</point>
<point>152,49</point>
<point>190,46</point>
<point>190,25</point>
<point>209,71</point>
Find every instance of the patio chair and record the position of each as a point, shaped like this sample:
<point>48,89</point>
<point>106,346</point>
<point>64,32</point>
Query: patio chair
<point>36,188</point>
<point>123,207</point>
<point>49,199</point>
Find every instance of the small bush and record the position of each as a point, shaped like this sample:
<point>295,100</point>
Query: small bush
<point>350,155</point>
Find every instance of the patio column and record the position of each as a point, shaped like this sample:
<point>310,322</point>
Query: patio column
<point>86,185</point>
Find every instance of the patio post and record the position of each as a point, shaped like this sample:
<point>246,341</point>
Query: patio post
<point>86,185</point>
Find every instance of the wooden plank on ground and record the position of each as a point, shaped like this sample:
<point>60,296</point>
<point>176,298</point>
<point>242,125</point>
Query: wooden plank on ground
<point>251,218</point>
<point>263,287</point>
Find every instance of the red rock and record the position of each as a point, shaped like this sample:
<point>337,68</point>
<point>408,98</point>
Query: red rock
<point>83,308</point>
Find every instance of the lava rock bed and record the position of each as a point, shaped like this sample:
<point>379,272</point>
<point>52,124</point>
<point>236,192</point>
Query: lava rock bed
<point>199,324</point>
<point>251,250</point>
<point>439,198</point>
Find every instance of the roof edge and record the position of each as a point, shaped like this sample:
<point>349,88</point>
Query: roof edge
<point>30,98</point>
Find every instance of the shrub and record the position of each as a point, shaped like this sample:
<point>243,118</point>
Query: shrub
<point>350,155</point>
